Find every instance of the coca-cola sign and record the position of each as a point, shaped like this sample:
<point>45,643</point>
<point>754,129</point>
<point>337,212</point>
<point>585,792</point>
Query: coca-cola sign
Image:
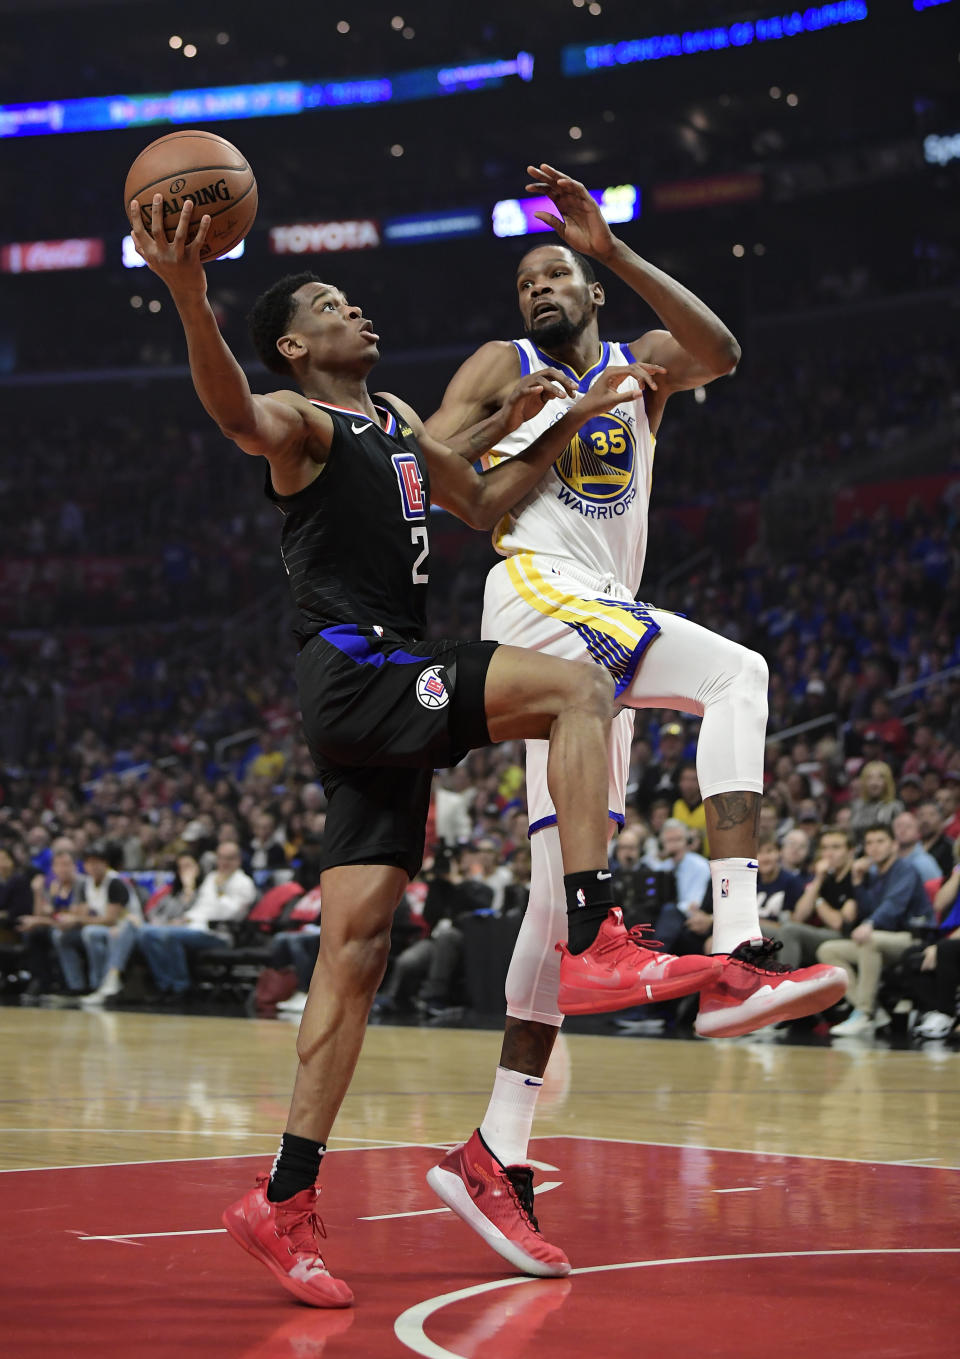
<point>34,257</point>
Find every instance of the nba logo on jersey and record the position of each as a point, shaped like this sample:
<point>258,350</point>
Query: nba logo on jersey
<point>724,887</point>
<point>411,485</point>
<point>431,690</point>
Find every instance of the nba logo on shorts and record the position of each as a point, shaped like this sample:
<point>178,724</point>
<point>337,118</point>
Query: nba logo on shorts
<point>724,887</point>
<point>431,690</point>
<point>411,485</point>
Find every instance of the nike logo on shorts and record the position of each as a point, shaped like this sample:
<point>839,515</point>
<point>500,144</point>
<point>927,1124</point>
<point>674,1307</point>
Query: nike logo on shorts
<point>358,429</point>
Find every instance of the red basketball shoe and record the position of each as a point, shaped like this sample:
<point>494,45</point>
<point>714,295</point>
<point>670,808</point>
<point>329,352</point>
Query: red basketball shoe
<point>626,967</point>
<point>497,1202</point>
<point>284,1237</point>
<point>753,990</point>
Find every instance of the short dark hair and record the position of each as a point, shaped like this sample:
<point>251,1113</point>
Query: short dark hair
<point>879,826</point>
<point>845,834</point>
<point>581,261</point>
<point>270,317</point>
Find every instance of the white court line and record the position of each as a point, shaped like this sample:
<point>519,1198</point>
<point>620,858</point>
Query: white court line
<point>744,1189</point>
<point>409,1325</point>
<point>740,1151</point>
<point>916,1161</point>
<point>184,1160</point>
<point>144,1236</point>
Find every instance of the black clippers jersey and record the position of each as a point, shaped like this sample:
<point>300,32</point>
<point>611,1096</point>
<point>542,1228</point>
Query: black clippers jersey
<point>355,541</point>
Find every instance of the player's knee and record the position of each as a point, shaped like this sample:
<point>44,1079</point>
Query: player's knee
<point>595,692</point>
<point>357,963</point>
<point>755,678</point>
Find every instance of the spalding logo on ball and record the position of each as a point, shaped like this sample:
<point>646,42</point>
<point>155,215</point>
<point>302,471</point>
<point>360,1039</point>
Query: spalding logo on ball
<point>431,690</point>
<point>205,168</point>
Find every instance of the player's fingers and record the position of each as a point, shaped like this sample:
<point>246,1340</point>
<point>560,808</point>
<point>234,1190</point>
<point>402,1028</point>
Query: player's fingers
<point>559,379</point>
<point>183,227</point>
<point>156,216</point>
<point>554,223</point>
<point>203,231</point>
<point>138,231</point>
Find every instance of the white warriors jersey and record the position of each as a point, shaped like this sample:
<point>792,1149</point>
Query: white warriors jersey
<point>591,507</point>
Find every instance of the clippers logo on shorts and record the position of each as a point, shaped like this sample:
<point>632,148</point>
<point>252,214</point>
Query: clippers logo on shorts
<point>724,887</point>
<point>598,463</point>
<point>411,485</point>
<point>431,690</point>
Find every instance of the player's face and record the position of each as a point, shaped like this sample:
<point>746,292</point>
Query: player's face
<point>331,331</point>
<point>555,302</point>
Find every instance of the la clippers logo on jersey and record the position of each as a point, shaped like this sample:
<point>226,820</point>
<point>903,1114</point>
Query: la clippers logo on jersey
<point>431,690</point>
<point>411,485</point>
<point>597,465</point>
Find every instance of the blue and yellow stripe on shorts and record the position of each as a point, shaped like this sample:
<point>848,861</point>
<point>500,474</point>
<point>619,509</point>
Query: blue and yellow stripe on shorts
<point>615,633</point>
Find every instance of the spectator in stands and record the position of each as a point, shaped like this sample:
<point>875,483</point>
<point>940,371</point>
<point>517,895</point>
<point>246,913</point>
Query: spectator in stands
<point>38,846</point>
<point>910,789</point>
<point>516,894</point>
<point>483,867</point>
<point>267,844</point>
<point>453,796</point>
<point>82,932</point>
<point>769,819</point>
<point>55,902</point>
<point>906,832</point>
<point>948,800</point>
<point>661,777</point>
<point>225,894</point>
<point>778,890</point>
<point>827,906</point>
<point>269,761</point>
<point>893,907</point>
<point>16,899</point>
<point>877,803</point>
<point>448,897</point>
<point>109,935</point>
<point>942,959</point>
<point>692,877</point>
<point>795,852</point>
<point>930,821</point>
<point>688,807</point>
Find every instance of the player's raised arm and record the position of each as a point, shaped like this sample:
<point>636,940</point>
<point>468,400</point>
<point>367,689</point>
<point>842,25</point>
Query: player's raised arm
<point>285,427</point>
<point>480,499</point>
<point>481,400</point>
<point>696,346</point>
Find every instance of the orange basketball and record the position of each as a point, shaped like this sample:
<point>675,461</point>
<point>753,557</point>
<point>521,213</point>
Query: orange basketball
<point>201,166</point>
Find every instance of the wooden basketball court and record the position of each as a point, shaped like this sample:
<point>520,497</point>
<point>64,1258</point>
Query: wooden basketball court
<point>735,1199</point>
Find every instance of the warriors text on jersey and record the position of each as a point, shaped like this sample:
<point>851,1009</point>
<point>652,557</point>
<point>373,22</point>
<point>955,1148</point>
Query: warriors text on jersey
<point>355,541</point>
<point>591,507</point>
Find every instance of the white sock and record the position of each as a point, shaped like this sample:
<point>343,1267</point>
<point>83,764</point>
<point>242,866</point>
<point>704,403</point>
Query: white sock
<point>509,1118</point>
<point>735,915</point>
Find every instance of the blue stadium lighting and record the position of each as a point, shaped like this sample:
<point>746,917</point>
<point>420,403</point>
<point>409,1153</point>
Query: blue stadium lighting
<point>584,59</point>
<point>269,100</point>
<point>919,5</point>
<point>434,226</point>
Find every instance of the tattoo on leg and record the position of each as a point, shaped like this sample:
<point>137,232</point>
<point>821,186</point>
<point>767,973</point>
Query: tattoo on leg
<point>733,809</point>
<point>527,1046</point>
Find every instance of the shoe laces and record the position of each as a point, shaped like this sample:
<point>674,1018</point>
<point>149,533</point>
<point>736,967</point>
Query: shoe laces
<point>521,1177</point>
<point>643,937</point>
<point>301,1226</point>
<point>760,953</point>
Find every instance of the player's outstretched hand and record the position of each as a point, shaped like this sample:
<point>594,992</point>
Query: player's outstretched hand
<point>532,393</point>
<point>605,392</point>
<point>176,261</point>
<point>580,224</point>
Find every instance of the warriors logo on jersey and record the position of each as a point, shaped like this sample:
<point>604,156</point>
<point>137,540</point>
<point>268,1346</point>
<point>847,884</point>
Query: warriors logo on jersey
<point>599,461</point>
<point>591,507</point>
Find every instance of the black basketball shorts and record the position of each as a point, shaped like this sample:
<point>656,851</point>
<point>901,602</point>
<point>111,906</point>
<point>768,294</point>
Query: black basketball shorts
<point>380,714</point>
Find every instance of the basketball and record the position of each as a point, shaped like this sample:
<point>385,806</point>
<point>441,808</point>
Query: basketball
<point>205,168</point>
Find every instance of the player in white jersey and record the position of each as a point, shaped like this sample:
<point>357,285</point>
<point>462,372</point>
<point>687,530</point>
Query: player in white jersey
<point>573,553</point>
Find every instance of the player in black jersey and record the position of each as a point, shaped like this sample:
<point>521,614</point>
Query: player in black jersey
<point>382,707</point>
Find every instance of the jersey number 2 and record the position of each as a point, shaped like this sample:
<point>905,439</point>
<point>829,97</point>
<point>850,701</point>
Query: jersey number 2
<point>418,536</point>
